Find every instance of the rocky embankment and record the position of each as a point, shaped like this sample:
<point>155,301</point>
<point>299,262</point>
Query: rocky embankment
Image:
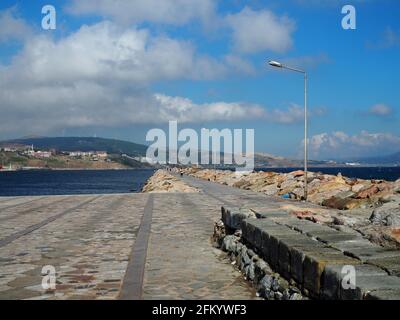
<point>371,207</point>
<point>162,181</point>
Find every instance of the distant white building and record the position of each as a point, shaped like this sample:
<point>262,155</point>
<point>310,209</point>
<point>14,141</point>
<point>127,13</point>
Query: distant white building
<point>101,154</point>
<point>76,154</point>
<point>93,155</point>
<point>42,154</point>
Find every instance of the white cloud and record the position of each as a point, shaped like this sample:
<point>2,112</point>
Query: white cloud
<point>100,76</point>
<point>184,110</point>
<point>255,31</point>
<point>44,108</point>
<point>341,145</point>
<point>381,110</point>
<point>292,115</point>
<point>12,27</point>
<point>174,12</point>
<point>252,31</point>
<point>105,51</point>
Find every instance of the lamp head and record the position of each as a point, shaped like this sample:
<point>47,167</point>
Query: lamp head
<point>275,64</point>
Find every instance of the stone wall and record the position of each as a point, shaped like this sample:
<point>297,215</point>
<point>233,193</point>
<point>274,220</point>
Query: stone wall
<point>269,284</point>
<point>306,258</point>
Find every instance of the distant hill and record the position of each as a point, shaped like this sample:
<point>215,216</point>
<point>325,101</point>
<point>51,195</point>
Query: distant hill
<point>112,146</point>
<point>268,160</point>
<point>118,147</point>
<point>393,159</point>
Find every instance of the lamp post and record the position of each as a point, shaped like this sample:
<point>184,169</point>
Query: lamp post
<point>280,65</point>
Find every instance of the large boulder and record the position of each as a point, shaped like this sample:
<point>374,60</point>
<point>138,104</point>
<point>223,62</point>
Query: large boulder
<point>270,190</point>
<point>387,215</point>
<point>368,192</point>
<point>358,187</point>
<point>298,173</point>
<point>341,203</point>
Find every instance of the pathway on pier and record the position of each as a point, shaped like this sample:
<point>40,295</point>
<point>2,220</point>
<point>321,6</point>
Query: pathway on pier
<point>120,246</point>
<point>124,246</point>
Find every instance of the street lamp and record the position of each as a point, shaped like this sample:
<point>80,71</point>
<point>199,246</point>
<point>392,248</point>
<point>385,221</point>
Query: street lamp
<point>280,65</point>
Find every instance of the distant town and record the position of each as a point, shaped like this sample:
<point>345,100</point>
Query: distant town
<point>30,151</point>
<point>23,157</point>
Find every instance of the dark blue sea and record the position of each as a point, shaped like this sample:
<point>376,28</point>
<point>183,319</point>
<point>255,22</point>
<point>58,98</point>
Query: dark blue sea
<point>59,182</point>
<point>48,182</point>
<point>379,173</point>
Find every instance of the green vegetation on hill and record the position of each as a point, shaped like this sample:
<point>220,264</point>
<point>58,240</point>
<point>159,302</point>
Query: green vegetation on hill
<point>111,146</point>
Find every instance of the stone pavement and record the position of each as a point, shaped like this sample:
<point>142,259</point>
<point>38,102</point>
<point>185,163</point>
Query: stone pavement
<point>89,241</point>
<point>86,238</point>
<point>121,247</point>
<point>181,262</point>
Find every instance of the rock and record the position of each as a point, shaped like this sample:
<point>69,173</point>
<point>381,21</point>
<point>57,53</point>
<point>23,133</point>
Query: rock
<point>298,173</point>
<point>390,198</point>
<point>341,203</point>
<point>251,253</point>
<point>367,193</point>
<point>275,284</point>
<point>396,186</point>
<point>358,187</point>
<point>345,194</point>
<point>240,184</point>
<point>296,296</point>
<point>229,244</point>
<point>250,272</point>
<point>264,285</point>
<point>278,295</point>
<point>261,264</point>
<point>245,259</point>
<point>270,190</point>
<point>270,295</point>
<point>286,295</point>
<point>385,186</point>
<point>387,215</point>
<point>294,290</point>
<point>311,216</point>
<point>288,186</point>
<point>298,193</point>
<point>161,182</point>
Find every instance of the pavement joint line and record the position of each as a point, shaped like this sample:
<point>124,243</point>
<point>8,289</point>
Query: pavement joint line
<point>132,284</point>
<point>7,240</point>
<point>28,211</point>
<point>20,204</point>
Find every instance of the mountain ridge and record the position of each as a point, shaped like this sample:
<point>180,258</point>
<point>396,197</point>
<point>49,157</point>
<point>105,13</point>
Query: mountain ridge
<point>112,146</point>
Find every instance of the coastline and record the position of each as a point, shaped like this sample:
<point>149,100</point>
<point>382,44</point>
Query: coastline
<point>370,207</point>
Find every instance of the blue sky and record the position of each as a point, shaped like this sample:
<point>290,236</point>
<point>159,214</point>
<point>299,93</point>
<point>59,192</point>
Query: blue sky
<point>119,70</point>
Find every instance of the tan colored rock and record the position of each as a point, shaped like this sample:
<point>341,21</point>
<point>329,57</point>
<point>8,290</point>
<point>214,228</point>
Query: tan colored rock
<point>270,190</point>
<point>298,173</point>
<point>396,186</point>
<point>358,187</point>
<point>312,216</point>
<point>161,182</point>
<point>368,192</point>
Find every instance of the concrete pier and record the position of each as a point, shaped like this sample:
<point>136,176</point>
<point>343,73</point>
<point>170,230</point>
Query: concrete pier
<point>150,246</point>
